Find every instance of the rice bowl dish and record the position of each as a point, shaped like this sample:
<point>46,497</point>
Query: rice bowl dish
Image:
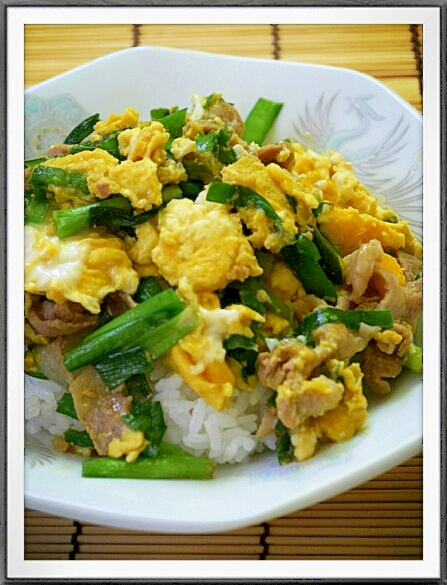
<point>228,434</point>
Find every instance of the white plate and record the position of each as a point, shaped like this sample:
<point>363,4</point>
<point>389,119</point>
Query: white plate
<point>325,108</point>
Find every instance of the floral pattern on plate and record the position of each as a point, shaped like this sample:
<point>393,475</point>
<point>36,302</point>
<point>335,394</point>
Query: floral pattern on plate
<point>48,121</point>
<point>321,130</point>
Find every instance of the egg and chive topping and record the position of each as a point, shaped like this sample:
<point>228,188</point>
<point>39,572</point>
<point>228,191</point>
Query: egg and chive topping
<point>218,246</point>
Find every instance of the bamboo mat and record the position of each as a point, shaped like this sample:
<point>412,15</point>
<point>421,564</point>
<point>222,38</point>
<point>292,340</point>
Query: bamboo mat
<point>381,519</point>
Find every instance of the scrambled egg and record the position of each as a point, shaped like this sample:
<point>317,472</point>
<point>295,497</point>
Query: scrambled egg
<point>331,178</point>
<point>203,243</point>
<point>336,424</point>
<point>269,182</point>
<point>140,249</point>
<point>82,268</point>
<point>116,122</point>
<point>347,228</point>
<point>200,357</point>
<point>136,177</point>
<point>288,288</point>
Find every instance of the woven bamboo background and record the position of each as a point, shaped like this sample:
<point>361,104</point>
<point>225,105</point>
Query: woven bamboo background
<point>381,519</point>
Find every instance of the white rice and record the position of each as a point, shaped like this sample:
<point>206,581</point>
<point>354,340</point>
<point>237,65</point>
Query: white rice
<point>41,398</point>
<point>225,437</point>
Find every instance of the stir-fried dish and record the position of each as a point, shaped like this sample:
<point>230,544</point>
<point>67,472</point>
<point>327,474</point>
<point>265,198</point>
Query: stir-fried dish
<point>184,240</point>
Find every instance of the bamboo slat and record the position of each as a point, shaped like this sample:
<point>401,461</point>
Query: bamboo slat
<point>45,549</point>
<point>98,542</point>
<point>172,548</point>
<point>210,540</point>
<point>51,556</point>
<point>48,537</point>
<point>406,87</point>
<point>53,49</point>
<point>352,46</point>
<point>101,556</point>
<point>342,552</point>
<point>94,529</point>
<point>375,527</point>
<point>344,511</point>
<point>239,39</point>
<point>381,495</point>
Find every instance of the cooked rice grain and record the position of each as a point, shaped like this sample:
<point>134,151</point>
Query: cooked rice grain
<point>194,425</point>
<point>41,398</point>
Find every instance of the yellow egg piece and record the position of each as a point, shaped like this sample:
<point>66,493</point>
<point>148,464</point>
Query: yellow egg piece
<point>203,244</point>
<point>82,268</point>
<point>347,229</point>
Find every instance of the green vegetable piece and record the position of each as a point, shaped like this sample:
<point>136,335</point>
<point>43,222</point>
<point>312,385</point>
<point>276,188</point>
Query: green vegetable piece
<point>117,367</point>
<point>254,294</point>
<point>66,405</point>
<point>243,350</point>
<point>351,318</point>
<point>206,142</point>
<point>113,211</point>
<point>225,153</point>
<point>46,176</point>
<point>125,329</point>
<point>240,196</point>
<point>140,218</point>
<point>86,145</point>
<point>36,374</point>
<point>278,306</point>
<point>304,245</point>
<point>330,257</point>
<point>237,341</point>
<point>217,144</point>
<point>138,388</point>
<point>322,207</point>
<point>147,287</point>
<point>36,211</point>
<point>250,299</point>
<point>413,359</point>
<point>174,124</point>
<point>148,418</point>
<point>157,113</point>
<point>260,120</point>
<point>271,400</point>
<point>308,270</point>
<point>36,205</point>
<point>164,466</point>
<point>33,162</point>
<point>284,447</point>
<point>169,449</point>
<point>108,142</point>
<point>82,130</point>
<point>191,189</point>
<point>198,171</point>
<point>78,438</point>
<point>171,192</point>
<point>157,341</point>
